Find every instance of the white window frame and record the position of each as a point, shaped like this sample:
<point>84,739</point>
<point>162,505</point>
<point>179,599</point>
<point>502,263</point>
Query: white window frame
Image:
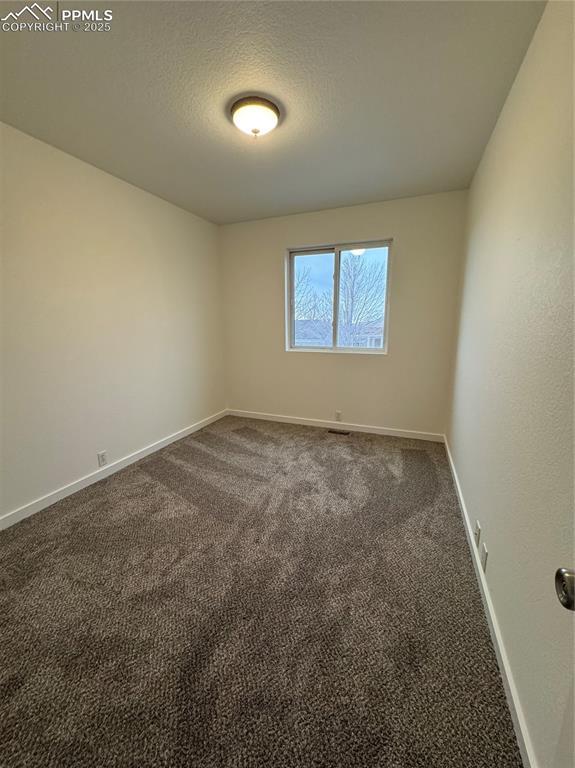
<point>336,249</point>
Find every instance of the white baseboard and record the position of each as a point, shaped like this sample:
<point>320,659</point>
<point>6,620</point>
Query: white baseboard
<point>517,716</point>
<point>433,436</point>
<point>9,518</point>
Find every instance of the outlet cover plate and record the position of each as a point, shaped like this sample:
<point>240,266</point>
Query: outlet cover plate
<point>484,554</point>
<point>477,533</point>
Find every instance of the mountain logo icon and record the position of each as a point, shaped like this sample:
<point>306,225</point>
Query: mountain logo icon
<point>35,10</point>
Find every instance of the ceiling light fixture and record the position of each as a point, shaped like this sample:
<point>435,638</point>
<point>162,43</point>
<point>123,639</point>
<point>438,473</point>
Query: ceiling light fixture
<point>358,251</point>
<point>255,115</point>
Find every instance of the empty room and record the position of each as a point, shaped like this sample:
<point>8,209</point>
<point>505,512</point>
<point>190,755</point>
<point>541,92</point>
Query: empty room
<point>286,382</point>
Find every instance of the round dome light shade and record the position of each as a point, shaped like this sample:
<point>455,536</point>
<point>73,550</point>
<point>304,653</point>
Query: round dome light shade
<point>255,116</point>
<point>358,251</point>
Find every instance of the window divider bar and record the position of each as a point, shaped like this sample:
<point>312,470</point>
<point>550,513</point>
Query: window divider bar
<point>335,319</point>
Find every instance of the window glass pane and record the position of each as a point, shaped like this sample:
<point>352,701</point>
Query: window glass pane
<point>313,299</point>
<point>362,288</point>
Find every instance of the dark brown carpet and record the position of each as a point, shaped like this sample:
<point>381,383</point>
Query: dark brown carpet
<point>256,594</point>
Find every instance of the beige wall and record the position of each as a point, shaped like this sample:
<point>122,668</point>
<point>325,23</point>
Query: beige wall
<point>511,433</point>
<point>111,298</point>
<point>405,389</point>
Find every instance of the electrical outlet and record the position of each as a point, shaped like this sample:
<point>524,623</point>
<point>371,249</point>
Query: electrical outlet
<point>477,532</point>
<point>484,554</point>
<point>102,458</point>
<point>338,415</point>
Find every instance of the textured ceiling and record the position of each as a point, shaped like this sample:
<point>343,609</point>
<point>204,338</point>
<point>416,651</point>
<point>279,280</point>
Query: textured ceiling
<point>380,99</point>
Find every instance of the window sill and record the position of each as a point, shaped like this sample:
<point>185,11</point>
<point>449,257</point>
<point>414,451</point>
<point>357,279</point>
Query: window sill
<point>331,351</point>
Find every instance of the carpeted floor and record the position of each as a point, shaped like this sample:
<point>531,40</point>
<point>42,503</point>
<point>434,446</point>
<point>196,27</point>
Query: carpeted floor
<point>255,595</point>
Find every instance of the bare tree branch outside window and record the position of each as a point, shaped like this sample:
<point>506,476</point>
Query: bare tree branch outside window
<point>310,304</point>
<point>361,299</point>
